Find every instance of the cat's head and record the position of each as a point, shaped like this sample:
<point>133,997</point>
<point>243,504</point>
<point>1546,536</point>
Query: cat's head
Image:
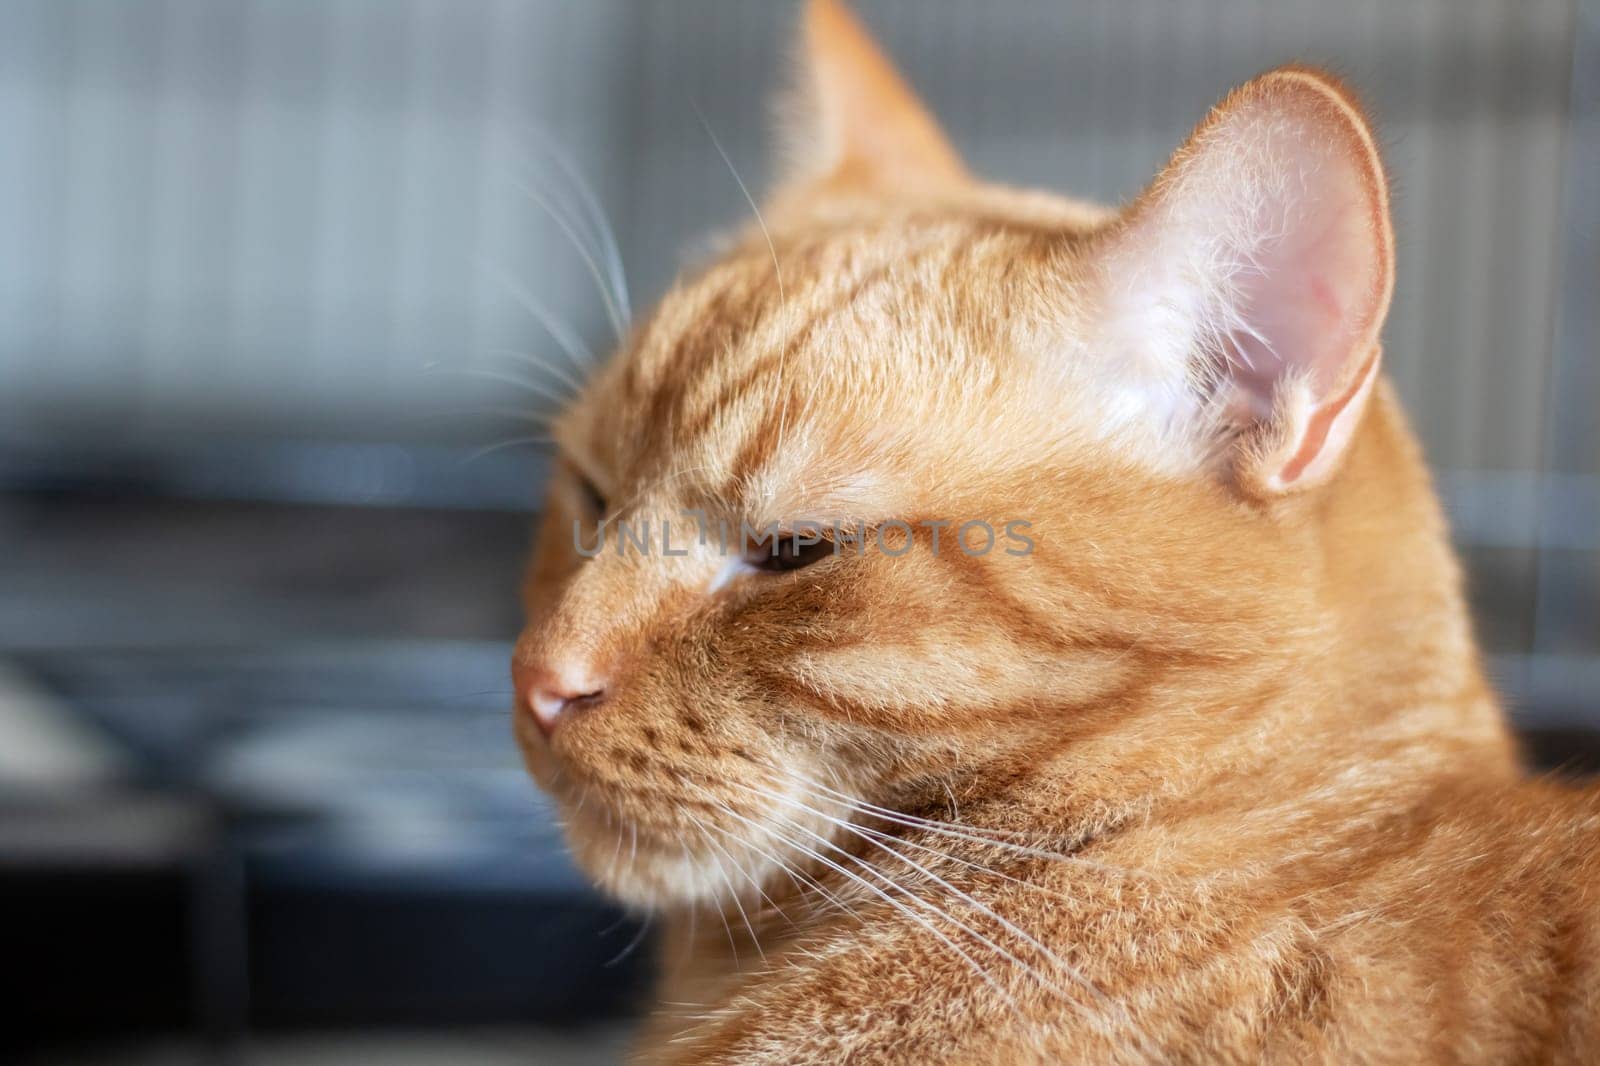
<point>1133,415</point>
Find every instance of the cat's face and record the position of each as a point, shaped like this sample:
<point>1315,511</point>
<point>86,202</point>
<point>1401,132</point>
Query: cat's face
<point>1064,441</point>
<point>878,388</point>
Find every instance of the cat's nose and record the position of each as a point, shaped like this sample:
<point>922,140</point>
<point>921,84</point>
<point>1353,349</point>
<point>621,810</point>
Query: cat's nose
<point>551,691</point>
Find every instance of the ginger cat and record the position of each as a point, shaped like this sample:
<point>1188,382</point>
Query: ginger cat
<point>1209,774</point>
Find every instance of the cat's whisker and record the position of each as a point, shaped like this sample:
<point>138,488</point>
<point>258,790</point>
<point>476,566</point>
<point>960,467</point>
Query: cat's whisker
<point>602,225</point>
<point>1056,960</point>
<point>899,906</point>
<point>854,801</point>
<point>613,311</point>
<point>515,442</point>
<point>744,916</point>
<point>777,271</point>
<point>903,908</point>
<point>874,835</point>
<point>516,380</point>
<point>1001,838</point>
<point>739,867</point>
<point>772,249</point>
<point>1006,954</point>
<point>558,192</point>
<point>977,833</point>
<point>1072,972</point>
<point>975,866</point>
<point>516,414</point>
<point>694,917</point>
<point>876,839</point>
<point>531,360</point>
<point>796,877</point>
<point>983,834</point>
<point>957,832</point>
<point>616,855</point>
<point>892,883</point>
<point>955,808</point>
<point>721,913</point>
<point>578,355</point>
<point>632,945</point>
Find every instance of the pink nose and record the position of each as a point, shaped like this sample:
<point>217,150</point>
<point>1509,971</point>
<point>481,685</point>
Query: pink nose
<point>550,692</point>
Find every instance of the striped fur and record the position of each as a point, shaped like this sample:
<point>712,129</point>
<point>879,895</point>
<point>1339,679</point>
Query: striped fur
<point>1212,774</point>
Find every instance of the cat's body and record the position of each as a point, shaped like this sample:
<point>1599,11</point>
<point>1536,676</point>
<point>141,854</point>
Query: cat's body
<point>1210,774</point>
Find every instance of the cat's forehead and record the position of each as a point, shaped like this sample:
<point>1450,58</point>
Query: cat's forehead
<point>759,331</point>
<point>830,366</point>
<point>826,286</point>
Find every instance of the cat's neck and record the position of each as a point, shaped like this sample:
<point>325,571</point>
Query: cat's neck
<point>1378,671</point>
<point>1390,578</point>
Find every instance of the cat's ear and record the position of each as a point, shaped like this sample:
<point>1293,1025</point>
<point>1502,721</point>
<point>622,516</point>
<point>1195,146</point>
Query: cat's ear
<point>850,119</point>
<point>1252,279</point>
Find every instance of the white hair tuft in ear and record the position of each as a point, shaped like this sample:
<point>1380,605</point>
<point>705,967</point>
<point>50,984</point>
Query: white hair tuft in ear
<point>1242,295</point>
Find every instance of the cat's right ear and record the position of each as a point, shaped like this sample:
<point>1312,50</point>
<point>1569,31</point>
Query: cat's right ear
<point>1244,292</point>
<point>849,119</point>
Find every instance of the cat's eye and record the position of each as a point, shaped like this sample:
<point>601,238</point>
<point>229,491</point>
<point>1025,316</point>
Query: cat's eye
<point>789,551</point>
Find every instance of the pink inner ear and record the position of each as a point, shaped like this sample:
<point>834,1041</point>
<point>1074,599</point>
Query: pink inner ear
<point>1248,285</point>
<point>1305,299</point>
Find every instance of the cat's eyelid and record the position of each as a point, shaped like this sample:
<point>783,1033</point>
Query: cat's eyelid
<point>583,471</point>
<point>590,490</point>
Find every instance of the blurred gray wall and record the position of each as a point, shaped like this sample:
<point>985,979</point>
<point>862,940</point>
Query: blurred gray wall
<point>278,213</point>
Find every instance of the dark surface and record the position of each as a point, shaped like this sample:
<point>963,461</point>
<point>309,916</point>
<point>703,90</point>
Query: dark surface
<point>102,952</point>
<point>326,687</point>
<point>1564,752</point>
<point>325,957</point>
<point>91,953</point>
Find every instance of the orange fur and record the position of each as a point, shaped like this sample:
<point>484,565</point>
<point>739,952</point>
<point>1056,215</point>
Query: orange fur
<point>1211,775</point>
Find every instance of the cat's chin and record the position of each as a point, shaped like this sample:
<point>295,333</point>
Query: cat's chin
<point>647,870</point>
<point>665,842</point>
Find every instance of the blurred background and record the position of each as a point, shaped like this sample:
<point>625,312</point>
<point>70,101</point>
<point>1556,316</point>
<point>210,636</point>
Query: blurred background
<point>284,285</point>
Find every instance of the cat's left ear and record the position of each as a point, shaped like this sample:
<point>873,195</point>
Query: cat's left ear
<point>850,119</point>
<point>1252,280</point>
